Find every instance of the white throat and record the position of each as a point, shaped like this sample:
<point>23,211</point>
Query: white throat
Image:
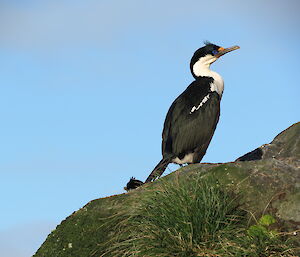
<point>202,69</point>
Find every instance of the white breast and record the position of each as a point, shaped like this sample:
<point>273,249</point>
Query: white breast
<point>218,84</point>
<point>202,69</point>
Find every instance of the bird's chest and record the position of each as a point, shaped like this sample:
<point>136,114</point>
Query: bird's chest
<point>218,84</point>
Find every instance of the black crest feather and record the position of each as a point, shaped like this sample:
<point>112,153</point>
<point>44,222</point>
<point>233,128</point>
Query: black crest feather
<point>206,42</point>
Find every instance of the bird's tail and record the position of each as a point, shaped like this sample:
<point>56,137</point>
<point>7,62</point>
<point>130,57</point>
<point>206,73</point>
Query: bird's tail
<point>159,169</point>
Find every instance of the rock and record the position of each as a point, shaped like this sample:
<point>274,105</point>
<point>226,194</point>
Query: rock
<point>285,146</point>
<point>268,180</point>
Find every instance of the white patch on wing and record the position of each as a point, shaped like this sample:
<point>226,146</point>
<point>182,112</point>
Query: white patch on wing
<point>204,100</point>
<point>188,158</point>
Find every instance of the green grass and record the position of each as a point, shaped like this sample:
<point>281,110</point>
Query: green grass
<point>190,217</point>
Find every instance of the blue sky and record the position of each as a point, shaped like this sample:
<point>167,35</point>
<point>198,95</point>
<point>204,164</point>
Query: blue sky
<point>85,86</point>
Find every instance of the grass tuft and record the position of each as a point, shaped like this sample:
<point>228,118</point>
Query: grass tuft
<point>190,217</point>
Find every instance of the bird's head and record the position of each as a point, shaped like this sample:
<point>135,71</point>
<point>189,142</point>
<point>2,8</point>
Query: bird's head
<point>206,55</point>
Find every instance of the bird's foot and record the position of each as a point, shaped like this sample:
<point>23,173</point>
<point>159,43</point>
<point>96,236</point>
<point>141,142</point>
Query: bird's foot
<point>133,184</point>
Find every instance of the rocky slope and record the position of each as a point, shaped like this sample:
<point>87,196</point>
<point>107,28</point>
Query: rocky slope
<point>268,180</point>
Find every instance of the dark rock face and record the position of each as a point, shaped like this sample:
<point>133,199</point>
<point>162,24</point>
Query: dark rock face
<point>267,178</point>
<point>285,146</point>
<point>251,156</point>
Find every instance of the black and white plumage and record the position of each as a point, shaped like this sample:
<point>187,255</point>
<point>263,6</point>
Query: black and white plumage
<point>193,116</point>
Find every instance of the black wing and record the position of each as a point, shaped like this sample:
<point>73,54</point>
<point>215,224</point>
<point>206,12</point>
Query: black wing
<point>189,127</point>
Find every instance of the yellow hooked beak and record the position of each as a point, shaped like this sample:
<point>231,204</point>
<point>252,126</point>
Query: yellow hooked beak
<point>222,51</point>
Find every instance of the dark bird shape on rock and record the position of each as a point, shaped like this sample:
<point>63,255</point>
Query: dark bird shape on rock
<point>193,116</point>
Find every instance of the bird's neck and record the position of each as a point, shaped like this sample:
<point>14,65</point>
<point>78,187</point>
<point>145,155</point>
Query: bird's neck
<point>202,69</point>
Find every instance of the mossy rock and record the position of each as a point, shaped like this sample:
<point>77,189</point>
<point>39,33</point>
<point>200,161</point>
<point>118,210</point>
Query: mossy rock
<point>267,180</point>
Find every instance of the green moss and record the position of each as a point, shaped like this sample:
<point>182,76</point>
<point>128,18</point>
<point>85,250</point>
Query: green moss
<point>266,220</point>
<point>81,233</point>
<point>260,231</point>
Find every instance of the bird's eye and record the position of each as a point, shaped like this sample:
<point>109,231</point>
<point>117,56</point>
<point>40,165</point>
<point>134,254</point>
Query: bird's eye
<point>214,52</point>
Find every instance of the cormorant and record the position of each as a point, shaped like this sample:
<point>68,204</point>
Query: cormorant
<point>193,116</point>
